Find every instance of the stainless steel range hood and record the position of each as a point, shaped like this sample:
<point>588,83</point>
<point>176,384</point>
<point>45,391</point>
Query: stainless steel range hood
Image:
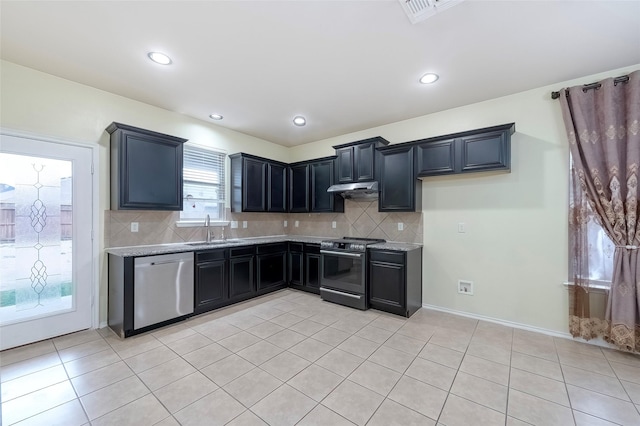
<point>356,191</point>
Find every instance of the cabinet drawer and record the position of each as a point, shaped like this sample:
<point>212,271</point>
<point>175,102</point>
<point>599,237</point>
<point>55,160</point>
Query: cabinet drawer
<point>209,255</point>
<point>386,256</point>
<point>312,248</point>
<point>242,251</point>
<point>272,248</point>
<point>295,247</point>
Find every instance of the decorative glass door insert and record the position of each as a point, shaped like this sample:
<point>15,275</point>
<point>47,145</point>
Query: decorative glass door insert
<point>37,243</point>
<point>46,249</point>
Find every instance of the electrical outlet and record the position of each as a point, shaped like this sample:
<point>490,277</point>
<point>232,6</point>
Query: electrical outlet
<point>462,228</point>
<point>296,223</point>
<point>285,223</point>
<point>400,226</point>
<point>134,226</point>
<point>234,224</point>
<point>244,223</point>
<point>334,224</point>
<point>465,287</point>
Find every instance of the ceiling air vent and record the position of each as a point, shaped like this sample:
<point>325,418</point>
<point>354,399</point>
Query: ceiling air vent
<point>419,10</point>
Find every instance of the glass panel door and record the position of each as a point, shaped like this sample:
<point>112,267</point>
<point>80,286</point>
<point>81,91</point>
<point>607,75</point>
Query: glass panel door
<point>45,240</point>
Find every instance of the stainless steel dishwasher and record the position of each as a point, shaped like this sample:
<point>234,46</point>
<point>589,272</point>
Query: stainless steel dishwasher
<point>163,288</point>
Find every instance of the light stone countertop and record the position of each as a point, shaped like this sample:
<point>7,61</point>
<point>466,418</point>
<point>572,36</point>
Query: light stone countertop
<point>149,250</point>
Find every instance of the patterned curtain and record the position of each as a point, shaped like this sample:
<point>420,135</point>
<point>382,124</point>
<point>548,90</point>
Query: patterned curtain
<point>603,127</point>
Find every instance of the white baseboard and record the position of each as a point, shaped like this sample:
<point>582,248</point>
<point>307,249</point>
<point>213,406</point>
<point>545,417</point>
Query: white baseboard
<point>596,342</point>
<point>103,324</point>
<point>501,322</point>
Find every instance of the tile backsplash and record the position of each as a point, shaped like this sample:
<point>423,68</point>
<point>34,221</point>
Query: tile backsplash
<point>360,219</point>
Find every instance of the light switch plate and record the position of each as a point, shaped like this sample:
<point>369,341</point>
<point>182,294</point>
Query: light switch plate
<point>296,223</point>
<point>134,226</point>
<point>244,223</point>
<point>333,224</point>
<point>462,228</point>
<point>234,224</point>
<point>286,223</point>
<point>400,226</point>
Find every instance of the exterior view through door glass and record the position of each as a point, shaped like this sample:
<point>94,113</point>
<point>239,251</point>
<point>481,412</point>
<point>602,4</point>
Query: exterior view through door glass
<point>45,239</point>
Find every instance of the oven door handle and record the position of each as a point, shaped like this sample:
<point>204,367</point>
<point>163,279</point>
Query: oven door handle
<point>341,253</point>
<point>328,290</point>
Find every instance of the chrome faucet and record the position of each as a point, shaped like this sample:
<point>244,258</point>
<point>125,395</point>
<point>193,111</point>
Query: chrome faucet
<point>207,222</point>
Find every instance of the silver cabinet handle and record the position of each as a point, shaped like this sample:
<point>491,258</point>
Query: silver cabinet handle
<point>341,253</point>
<point>354,296</point>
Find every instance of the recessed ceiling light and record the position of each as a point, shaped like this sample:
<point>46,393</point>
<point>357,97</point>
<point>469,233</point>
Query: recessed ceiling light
<point>159,58</point>
<point>429,78</point>
<point>215,116</point>
<point>299,120</point>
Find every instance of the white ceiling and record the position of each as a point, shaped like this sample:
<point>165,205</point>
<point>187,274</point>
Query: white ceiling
<point>345,65</point>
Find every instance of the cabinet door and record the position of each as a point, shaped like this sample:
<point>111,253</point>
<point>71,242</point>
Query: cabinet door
<point>321,180</point>
<point>387,287</point>
<point>296,268</point>
<point>312,276</point>
<point>276,188</point>
<point>397,180</point>
<point>488,151</point>
<point>241,280</point>
<point>254,185</point>
<point>299,188</point>
<point>148,168</point>
<point>364,157</point>
<point>344,165</point>
<point>436,158</point>
<point>211,289</point>
<point>271,270</point>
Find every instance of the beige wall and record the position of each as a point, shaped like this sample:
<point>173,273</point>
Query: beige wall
<point>42,104</point>
<point>515,245</point>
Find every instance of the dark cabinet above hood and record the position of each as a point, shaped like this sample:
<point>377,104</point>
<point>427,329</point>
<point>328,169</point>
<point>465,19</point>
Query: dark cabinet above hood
<point>356,190</point>
<point>355,162</point>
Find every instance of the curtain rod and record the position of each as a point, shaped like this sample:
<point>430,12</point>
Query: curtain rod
<point>621,79</point>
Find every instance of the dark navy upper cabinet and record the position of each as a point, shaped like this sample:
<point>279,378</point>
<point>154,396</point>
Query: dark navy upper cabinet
<point>257,184</point>
<point>400,191</point>
<point>276,187</point>
<point>308,184</point>
<point>299,188</point>
<point>437,157</point>
<point>321,179</point>
<point>472,151</point>
<point>146,169</point>
<point>355,161</point>
<point>486,151</point>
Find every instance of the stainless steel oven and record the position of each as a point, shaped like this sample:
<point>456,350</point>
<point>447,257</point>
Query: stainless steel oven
<point>344,271</point>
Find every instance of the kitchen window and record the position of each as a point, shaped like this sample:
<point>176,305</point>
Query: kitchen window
<point>203,180</point>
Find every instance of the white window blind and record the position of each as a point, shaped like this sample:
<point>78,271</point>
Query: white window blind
<point>203,179</point>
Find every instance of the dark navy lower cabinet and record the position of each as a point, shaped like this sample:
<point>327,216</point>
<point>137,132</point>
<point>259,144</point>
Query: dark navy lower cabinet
<point>242,283</point>
<point>395,281</point>
<point>211,281</point>
<point>304,267</point>
<point>272,266</point>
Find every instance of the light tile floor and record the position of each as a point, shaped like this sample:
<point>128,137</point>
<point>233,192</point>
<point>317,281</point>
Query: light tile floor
<point>289,358</point>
